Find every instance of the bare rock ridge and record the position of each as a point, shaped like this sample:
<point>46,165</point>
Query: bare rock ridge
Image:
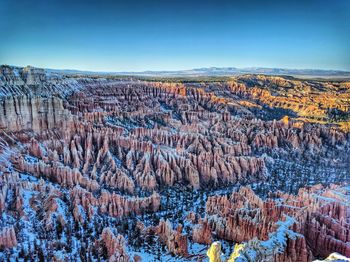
<point>32,113</point>
<point>152,170</point>
<point>315,221</point>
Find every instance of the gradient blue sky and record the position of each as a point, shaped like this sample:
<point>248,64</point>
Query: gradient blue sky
<point>140,35</point>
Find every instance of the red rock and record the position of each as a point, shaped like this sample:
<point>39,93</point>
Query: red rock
<point>202,233</point>
<point>8,238</point>
<point>115,245</point>
<point>320,220</point>
<point>175,241</point>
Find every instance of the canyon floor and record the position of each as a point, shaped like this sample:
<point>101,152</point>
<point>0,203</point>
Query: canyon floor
<point>122,168</point>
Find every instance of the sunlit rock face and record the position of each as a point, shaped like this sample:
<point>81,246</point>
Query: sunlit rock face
<point>122,169</point>
<point>22,113</point>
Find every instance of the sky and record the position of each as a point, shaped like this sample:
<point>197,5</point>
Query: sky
<point>138,35</point>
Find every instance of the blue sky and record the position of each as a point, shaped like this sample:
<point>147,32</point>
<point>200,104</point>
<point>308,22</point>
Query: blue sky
<point>138,35</point>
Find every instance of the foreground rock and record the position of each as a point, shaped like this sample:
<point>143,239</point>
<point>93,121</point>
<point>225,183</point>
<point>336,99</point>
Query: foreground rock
<point>284,228</point>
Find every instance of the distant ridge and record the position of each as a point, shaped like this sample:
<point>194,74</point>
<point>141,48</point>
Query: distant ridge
<point>227,71</point>
<point>218,71</point>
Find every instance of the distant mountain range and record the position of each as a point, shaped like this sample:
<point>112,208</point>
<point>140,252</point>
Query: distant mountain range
<point>220,71</point>
<point>225,71</point>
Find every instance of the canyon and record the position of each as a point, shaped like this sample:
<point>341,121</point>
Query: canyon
<point>124,168</point>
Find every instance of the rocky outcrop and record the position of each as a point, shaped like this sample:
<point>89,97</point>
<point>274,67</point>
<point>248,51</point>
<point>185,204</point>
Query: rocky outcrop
<point>21,76</point>
<point>115,245</point>
<point>308,99</point>
<point>56,172</point>
<point>244,216</point>
<point>202,232</point>
<point>32,113</point>
<point>282,245</point>
<point>234,222</point>
<point>175,241</point>
<point>30,81</point>
<point>8,238</point>
<point>112,204</point>
<point>117,206</point>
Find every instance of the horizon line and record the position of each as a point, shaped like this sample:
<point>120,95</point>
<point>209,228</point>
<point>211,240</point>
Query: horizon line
<point>175,70</point>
